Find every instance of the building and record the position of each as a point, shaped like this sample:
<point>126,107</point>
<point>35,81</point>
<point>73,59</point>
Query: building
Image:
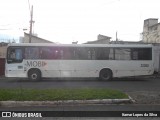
<point>3,49</point>
<point>101,39</point>
<point>34,39</point>
<point>151,34</point>
<point>151,31</point>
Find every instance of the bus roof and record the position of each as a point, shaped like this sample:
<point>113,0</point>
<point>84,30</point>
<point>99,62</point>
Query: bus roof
<point>81,45</point>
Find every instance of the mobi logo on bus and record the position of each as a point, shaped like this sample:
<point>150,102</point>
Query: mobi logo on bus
<point>35,64</point>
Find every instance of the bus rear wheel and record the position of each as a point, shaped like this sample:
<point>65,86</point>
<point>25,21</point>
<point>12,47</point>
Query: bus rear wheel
<point>34,75</point>
<point>105,74</point>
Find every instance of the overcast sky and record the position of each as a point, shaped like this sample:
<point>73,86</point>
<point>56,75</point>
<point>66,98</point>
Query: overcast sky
<point>65,21</point>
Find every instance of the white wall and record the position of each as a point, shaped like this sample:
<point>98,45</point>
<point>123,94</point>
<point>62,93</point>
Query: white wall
<point>156,56</point>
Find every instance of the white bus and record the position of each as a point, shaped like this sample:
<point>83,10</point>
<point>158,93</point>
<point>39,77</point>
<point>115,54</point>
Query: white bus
<point>105,61</point>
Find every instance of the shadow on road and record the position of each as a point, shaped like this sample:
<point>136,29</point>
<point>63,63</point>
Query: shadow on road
<point>130,79</point>
<point>126,79</point>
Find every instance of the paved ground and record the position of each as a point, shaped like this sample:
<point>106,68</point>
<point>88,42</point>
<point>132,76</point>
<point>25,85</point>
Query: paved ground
<point>145,97</point>
<point>145,90</point>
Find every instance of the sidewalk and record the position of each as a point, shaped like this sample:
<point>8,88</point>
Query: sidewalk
<point>65,102</point>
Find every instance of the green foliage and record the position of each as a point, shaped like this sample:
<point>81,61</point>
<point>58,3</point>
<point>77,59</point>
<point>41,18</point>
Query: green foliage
<point>59,94</point>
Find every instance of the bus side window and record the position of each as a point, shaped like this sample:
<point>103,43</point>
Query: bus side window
<point>93,54</point>
<point>15,55</point>
<point>122,54</point>
<point>18,54</point>
<point>67,53</point>
<point>134,54</point>
<point>56,53</point>
<point>102,53</point>
<point>32,53</point>
<point>45,53</point>
<point>82,53</point>
<point>89,54</point>
<point>111,54</point>
<point>142,54</point>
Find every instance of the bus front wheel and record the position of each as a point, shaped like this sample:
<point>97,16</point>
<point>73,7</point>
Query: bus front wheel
<point>105,74</point>
<point>34,75</point>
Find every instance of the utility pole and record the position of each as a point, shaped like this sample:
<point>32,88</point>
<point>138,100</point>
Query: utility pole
<point>31,22</point>
<point>116,37</point>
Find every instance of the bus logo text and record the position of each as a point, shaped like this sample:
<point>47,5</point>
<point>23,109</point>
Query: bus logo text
<point>144,65</point>
<point>36,63</point>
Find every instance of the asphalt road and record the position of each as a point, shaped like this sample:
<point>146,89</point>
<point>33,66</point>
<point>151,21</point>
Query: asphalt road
<point>99,107</point>
<point>123,84</point>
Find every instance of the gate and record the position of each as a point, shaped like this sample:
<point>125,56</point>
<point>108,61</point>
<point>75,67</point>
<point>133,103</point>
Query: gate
<point>2,66</point>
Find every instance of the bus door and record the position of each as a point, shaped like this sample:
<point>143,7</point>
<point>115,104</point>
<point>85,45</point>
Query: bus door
<point>14,66</point>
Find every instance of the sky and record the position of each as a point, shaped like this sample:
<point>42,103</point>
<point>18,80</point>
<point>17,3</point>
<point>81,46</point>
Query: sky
<point>67,21</point>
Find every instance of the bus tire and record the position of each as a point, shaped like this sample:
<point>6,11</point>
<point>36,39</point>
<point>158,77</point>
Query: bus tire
<point>105,74</point>
<point>34,74</point>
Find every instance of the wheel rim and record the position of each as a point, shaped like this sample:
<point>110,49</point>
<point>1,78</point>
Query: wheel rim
<point>34,76</point>
<point>105,75</point>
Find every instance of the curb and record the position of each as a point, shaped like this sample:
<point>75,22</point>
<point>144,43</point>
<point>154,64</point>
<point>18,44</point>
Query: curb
<point>64,102</point>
